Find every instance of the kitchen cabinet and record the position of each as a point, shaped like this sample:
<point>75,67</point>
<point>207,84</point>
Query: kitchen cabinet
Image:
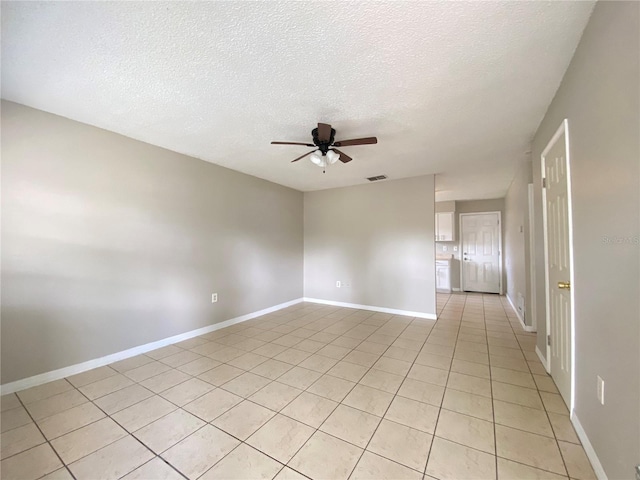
<point>445,228</point>
<point>443,276</point>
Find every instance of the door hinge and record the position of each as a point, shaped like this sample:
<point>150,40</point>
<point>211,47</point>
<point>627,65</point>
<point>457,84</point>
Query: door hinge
<point>549,340</point>
<point>544,182</point>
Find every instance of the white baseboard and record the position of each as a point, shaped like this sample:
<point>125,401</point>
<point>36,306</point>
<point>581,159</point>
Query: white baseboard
<point>132,352</point>
<point>430,316</point>
<point>456,290</point>
<point>588,448</point>
<point>526,328</point>
<point>543,360</point>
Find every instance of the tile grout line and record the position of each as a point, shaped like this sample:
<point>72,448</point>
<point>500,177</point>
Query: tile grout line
<point>354,386</point>
<point>286,465</point>
<point>391,402</point>
<point>355,383</point>
<point>64,465</point>
<point>564,463</point>
<point>482,303</point>
<point>493,401</point>
<point>128,433</point>
<point>435,427</point>
<point>205,424</point>
<point>544,409</point>
<point>316,429</point>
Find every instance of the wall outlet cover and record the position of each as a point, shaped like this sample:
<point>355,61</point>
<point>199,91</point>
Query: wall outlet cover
<point>338,284</point>
<point>600,390</point>
<point>214,297</point>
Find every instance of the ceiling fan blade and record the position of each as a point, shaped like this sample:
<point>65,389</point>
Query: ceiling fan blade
<point>302,156</point>
<point>344,158</point>
<point>293,143</point>
<point>356,141</point>
<point>324,132</point>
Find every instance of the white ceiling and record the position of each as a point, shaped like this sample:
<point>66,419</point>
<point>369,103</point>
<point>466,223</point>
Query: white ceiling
<point>452,88</point>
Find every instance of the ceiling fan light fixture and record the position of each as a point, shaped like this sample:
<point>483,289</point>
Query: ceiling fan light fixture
<point>318,159</point>
<point>332,157</point>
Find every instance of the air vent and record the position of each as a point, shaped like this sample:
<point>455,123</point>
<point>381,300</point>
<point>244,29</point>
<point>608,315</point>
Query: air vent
<point>375,179</point>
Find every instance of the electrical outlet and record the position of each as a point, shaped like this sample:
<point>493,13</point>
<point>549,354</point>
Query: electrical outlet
<point>600,390</point>
<point>338,284</point>
<point>214,297</point>
<point>455,248</point>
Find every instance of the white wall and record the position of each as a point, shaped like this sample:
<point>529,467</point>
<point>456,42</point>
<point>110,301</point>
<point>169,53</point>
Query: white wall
<point>599,95</point>
<point>377,237</point>
<point>109,243</point>
<point>516,243</point>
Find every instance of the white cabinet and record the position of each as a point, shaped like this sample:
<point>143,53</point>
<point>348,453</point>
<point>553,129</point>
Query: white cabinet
<point>445,227</point>
<point>443,276</point>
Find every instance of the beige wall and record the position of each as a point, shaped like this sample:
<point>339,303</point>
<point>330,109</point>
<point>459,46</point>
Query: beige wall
<point>599,96</point>
<point>377,237</point>
<point>516,235</point>
<point>467,206</point>
<point>109,243</point>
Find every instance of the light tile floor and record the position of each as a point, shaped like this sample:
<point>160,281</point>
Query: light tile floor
<point>310,391</point>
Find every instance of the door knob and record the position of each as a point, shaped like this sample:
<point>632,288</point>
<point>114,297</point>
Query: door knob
<point>566,285</point>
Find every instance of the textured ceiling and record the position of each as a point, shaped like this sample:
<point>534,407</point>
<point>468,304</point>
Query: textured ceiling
<point>451,88</point>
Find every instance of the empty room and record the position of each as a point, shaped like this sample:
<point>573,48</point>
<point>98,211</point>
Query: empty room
<point>320,240</point>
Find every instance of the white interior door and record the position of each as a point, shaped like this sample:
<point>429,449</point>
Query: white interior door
<point>556,203</point>
<point>481,269</point>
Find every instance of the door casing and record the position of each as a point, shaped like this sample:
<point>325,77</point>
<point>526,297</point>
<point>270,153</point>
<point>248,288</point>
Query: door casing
<point>532,259</point>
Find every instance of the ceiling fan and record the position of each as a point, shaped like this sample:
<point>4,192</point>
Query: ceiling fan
<point>326,153</point>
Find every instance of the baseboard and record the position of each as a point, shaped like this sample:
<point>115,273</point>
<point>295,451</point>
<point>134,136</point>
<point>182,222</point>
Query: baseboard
<point>132,352</point>
<point>456,290</point>
<point>543,360</point>
<point>526,328</point>
<point>430,316</point>
<point>588,448</point>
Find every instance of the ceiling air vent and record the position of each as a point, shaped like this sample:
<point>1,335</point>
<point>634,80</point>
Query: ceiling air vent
<point>375,179</point>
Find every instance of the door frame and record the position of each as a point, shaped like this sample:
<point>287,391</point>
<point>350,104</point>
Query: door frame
<point>563,129</point>
<point>532,258</point>
<point>499,246</point>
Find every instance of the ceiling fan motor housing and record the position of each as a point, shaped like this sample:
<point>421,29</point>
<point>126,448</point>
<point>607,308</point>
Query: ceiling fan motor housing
<point>323,145</point>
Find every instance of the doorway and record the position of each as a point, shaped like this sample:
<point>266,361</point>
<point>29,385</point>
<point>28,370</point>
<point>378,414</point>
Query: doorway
<point>481,243</point>
<point>558,253</point>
